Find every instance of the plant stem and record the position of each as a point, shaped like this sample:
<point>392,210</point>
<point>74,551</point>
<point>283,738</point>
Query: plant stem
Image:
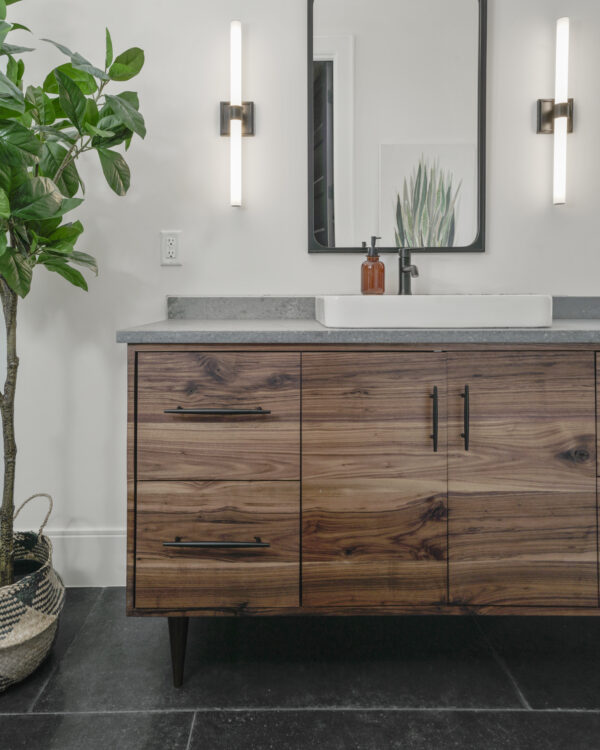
<point>74,152</point>
<point>7,410</point>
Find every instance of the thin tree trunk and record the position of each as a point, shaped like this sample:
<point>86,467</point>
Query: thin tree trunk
<point>7,411</point>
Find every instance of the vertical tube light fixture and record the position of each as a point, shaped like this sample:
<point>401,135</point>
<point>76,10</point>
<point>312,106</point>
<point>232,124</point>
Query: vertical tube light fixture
<point>235,100</point>
<point>561,97</point>
<point>237,117</point>
<point>556,115</point>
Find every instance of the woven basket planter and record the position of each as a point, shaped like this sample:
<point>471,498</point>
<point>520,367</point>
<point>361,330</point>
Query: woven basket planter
<point>29,609</point>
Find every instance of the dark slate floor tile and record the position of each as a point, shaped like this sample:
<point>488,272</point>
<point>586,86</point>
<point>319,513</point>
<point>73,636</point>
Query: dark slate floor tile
<point>395,730</point>
<point>135,731</point>
<point>124,663</point>
<point>554,660</point>
<point>78,604</point>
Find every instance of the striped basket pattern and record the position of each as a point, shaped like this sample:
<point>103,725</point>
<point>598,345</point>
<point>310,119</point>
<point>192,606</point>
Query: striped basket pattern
<point>29,610</point>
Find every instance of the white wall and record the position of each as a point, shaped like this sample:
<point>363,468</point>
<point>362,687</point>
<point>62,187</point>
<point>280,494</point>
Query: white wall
<point>71,400</point>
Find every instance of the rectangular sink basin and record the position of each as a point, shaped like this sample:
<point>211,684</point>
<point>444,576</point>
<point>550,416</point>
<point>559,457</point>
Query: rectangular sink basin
<point>435,311</point>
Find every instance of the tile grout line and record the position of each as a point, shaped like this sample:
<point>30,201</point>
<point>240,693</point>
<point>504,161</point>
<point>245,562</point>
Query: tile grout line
<point>31,708</point>
<point>504,666</point>
<point>314,709</point>
<point>189,742</point>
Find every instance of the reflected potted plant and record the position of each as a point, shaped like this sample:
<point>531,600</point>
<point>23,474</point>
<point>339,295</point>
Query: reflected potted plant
<point>426,211</point>
<point>44,131</point>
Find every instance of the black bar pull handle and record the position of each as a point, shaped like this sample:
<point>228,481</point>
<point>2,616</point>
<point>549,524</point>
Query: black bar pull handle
<point>218,412</point>
<point>257,543</point>
<point>434,434</point>
<point>466,417</point>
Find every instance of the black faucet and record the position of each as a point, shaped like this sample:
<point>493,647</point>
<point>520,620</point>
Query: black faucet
<point>407,271</point>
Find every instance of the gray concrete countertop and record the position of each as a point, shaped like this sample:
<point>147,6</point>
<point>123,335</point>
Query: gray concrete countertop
<point>305,331</point>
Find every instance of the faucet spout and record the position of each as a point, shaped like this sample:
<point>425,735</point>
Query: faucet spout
<point>406,271</point>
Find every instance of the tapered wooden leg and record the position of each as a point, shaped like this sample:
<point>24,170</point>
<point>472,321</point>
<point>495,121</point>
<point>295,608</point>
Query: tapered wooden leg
<point>178,630</point>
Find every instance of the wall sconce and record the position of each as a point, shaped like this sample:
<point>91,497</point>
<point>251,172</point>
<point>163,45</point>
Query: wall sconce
<point>237,117</point>
<point>555,116</point>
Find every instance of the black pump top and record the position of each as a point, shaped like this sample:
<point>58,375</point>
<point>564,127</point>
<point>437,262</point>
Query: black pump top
<point>373,252</point>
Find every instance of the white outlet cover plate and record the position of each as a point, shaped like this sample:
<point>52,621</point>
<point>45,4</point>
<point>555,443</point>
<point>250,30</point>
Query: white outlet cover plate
<point>165,236</point>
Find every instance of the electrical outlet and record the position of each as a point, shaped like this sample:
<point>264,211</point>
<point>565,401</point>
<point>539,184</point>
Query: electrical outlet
<point>170,247</point>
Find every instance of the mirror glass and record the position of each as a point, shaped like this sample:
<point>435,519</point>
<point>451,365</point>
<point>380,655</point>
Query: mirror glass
<point>394,108</point>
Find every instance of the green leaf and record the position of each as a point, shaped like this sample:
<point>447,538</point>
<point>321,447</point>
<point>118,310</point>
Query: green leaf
<point>60,248</point>
<point>17,271</point>
<point>84,260</point>
<point>18,145</point>
<point>109,50</point>
<point>68,204</point>
<point>66,271</point>
<point>2,9</point>
<point>115,170</point>
<point>12,70</point>
<point>67,233</point>
<point>3,243</point>
<point>127,65</point>
<point>11,97</point>
<point>91,112</point>
<point>78,61</point>
<point>130,97</point>
<point>54,134</point>
<point>38,198</point>
<point>21,26</point>
<point>5,177</point>
<point>14,49</point>
<point>71,98</point>
<point>85,81</point>
<point>53,155</point>
<point>127,114</point>
<point>4,206</point>
<point>93,130</point>
<point>112,125</point>
<point>4,29</point>
<point>43,110</point>
<point>46,227</point>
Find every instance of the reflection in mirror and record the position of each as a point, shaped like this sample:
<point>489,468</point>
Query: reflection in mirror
<point>396,129</point>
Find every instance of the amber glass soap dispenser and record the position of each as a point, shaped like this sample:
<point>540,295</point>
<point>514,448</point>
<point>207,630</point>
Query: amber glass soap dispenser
<point>372,275</point>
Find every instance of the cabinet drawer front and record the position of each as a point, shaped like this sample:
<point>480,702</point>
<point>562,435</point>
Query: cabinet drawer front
<point>209,436</point>
<point>240,515</point>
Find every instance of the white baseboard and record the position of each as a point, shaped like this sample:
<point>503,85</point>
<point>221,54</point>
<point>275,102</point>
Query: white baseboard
<point>89,557</point>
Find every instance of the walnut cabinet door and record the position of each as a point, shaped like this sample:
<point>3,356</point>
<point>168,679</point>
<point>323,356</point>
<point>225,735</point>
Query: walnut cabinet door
<point>522,479</point>
<point>374,478</point>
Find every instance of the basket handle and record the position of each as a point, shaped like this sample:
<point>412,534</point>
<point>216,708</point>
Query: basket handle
<point>50,503</point>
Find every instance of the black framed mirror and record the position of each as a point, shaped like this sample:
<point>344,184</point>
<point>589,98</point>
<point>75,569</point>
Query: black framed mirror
<point>397,125</point>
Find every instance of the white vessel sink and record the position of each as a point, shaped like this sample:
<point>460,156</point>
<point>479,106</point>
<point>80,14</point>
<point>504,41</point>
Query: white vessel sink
<point>435,311</point>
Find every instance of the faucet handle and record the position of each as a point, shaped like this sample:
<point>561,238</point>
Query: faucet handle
<point>414,271</point>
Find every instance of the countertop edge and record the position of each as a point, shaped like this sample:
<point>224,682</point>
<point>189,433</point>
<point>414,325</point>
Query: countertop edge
<point>365,336</point>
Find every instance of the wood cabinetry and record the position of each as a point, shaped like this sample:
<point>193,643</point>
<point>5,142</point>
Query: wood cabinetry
<point>522,494</point>
<point>340,480</point>
<point>191,422</point>
<point>373,479</point>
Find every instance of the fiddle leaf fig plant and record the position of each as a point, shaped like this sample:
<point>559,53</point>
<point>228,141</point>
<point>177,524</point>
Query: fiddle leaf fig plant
<point>44,130</point>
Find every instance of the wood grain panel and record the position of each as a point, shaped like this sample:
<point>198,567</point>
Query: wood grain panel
<point>218,511</point>
<point>131,437</point>
<point>172,446</point>
<point>522,500</point>
<point>374,491</point>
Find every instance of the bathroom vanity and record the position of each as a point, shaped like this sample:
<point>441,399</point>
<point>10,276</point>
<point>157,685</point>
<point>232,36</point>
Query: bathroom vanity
<point>277,467</point>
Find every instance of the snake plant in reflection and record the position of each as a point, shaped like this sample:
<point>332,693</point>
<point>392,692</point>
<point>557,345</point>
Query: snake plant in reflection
<point>426,210</point>
<point>44,130</point>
